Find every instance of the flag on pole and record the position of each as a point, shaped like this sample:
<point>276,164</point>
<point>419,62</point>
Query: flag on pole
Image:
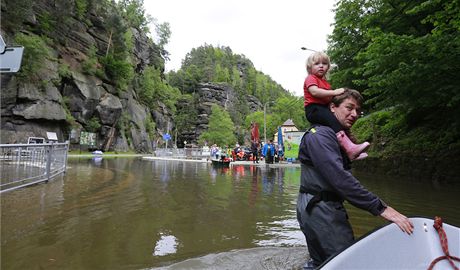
<point>255,132</point>
<point>280,142</point>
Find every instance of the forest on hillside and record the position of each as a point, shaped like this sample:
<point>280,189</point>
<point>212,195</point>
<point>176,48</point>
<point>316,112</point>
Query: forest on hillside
<point>209,64</point>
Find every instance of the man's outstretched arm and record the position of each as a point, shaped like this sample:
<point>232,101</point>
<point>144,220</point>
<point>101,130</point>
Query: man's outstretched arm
<point>401,220</point>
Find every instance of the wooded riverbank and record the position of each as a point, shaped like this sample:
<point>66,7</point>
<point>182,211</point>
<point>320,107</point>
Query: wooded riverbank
<point>440,168</point>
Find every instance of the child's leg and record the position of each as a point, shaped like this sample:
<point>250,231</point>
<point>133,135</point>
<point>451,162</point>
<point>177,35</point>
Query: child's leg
<point>321,114</point>
<point>354,151</point>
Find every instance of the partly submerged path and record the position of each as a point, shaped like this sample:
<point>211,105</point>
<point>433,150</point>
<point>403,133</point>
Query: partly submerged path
<point>266,258</point>
<point>283,164</point>
<point>260,164</point>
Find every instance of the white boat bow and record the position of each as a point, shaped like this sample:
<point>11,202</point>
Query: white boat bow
<point>390,248</point>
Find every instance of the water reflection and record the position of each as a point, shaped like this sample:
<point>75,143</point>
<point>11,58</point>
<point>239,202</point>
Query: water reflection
<point>166,245</point>
<point>283,231</point>
<point>97,160</point>
<point>214,172</point>
<point>130,213</point>
<point>254,185</point>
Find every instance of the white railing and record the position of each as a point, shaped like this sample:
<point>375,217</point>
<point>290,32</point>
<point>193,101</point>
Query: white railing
<point>28,164</point>
<point>188,153</point>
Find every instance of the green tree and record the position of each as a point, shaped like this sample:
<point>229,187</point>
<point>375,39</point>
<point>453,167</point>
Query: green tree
<point>221,128</point>
<point>148,84</point>
<point>236,78</point>
<point>250,83</point>
<point>222,74</point>
<point>346,41</point>
<point>291,107</point>
<point>91,64</point>
<point>163,32</point>
<point>119,69</point>
<point>134,14</point>
<point>81,7</point>
<point>152,89</point>
<point>186,113</point>
<point>93,124</point>
<point>190,77</point>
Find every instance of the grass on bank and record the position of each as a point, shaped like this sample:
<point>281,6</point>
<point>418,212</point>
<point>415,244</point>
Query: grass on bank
<point>293,152</point>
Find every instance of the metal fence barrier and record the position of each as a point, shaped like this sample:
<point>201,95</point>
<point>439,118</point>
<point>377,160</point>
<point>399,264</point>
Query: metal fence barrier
<point>187,153</point>
<point>27,164</point>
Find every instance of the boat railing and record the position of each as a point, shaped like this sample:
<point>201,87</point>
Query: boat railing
<point>28,164</point>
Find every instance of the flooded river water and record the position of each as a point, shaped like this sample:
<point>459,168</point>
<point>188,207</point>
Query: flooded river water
<point>129,213</point>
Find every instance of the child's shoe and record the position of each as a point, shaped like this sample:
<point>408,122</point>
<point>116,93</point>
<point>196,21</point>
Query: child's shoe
<point>363,155</point>
<point>353,150</point>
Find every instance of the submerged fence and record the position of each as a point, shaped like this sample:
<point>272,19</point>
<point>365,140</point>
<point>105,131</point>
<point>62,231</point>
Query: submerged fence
<point>27,164</point>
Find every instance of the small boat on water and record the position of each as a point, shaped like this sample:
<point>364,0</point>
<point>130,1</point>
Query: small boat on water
<point>389,248</point>
<point>221,162</point>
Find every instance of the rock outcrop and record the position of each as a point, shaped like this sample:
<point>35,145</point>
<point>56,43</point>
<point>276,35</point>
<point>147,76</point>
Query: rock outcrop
<point>208,95</point>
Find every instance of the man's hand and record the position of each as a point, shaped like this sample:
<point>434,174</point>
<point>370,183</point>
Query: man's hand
<point>402,221</point>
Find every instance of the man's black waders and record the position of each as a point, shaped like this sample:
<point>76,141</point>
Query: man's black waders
<point>319,196</point>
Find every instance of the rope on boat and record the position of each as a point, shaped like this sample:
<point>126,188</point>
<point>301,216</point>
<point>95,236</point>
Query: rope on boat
<point>443,238</point>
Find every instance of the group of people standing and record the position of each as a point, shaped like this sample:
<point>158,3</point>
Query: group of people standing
<point>269,151</point>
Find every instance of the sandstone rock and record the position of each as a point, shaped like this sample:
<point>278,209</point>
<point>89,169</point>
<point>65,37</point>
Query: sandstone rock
<point>109,109</point>
<point>43,109</point>
<point>121,144</point>
<point>31,92</point>
<point>88,85</point>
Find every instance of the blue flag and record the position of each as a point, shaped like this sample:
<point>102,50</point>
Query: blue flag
<point>280,142</point>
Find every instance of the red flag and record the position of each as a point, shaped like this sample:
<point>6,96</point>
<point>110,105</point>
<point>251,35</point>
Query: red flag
<point>255,132</point>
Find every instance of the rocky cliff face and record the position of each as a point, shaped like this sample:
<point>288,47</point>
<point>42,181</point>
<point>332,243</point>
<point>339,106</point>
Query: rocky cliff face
<point>209,94</point>
<point>29,110</point>
<point>74,102</point>
<point>70,104</point>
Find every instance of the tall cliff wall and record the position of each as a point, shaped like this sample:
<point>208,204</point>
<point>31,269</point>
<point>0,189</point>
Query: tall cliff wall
<point>73,101</point>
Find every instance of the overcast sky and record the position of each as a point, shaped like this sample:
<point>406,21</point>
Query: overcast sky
<point>269,33</point>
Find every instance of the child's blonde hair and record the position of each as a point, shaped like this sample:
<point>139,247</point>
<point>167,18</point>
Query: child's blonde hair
<point>317,56</point>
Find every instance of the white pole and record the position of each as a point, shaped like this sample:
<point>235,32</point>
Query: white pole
<point>265,122</point>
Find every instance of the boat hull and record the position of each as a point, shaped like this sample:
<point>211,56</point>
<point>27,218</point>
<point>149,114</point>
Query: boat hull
<point>390,248</point>
<point>220,163</point>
